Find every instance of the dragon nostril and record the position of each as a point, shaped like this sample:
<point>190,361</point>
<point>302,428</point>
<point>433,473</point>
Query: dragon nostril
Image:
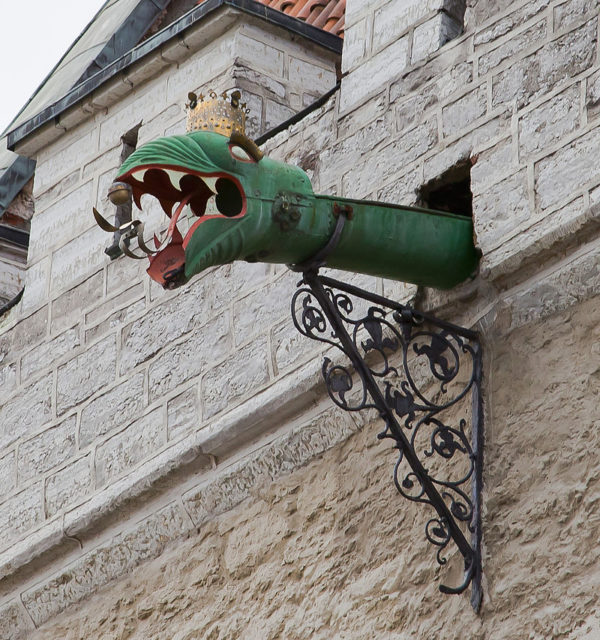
<point>229,199</point>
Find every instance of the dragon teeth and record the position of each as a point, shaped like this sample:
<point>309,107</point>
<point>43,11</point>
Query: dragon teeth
<point>175,177</point>
<point>139,175</point>
<point>210,183</point>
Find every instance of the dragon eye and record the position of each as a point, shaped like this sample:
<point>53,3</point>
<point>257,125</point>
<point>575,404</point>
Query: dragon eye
<point>240,154</point>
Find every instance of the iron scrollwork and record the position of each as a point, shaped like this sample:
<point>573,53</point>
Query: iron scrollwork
<point>423,377</point>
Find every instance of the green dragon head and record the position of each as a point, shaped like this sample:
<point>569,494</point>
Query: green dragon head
<point>230,189</point>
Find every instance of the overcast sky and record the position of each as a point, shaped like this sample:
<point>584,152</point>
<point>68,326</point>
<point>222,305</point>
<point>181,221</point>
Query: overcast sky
<point>34,36</point>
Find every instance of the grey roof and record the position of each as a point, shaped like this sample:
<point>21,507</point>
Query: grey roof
<point>115,29</point>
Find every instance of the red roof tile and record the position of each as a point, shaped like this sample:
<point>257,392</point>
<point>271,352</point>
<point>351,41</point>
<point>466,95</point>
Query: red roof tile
<point>325,14</point>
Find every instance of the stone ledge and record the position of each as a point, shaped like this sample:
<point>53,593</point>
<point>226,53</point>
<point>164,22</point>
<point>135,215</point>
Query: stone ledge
<point>261,414</point>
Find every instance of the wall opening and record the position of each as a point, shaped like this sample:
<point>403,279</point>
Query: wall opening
<point>15,223</point>
<point>123,212</point>
<point>451,191</point>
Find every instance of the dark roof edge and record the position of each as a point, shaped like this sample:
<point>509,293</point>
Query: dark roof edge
<point>251,7</point>
<point>126,36</point>
<point>14,179</point>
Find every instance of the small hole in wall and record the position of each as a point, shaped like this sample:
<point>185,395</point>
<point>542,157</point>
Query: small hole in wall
<point>451,191</point>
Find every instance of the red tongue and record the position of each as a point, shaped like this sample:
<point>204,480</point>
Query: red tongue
<point>166,267</point>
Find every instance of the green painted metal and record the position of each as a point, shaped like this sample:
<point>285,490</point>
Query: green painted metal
<point>267,212</point>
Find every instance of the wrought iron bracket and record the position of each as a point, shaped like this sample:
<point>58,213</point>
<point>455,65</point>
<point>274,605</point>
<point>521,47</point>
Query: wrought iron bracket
<point>423,376</point>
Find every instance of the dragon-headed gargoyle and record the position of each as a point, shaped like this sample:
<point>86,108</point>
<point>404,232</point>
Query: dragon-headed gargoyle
<point>246,206</point>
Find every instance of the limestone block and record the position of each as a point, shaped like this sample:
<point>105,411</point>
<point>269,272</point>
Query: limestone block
<point>357,9</point>
<point>357,42</point>
<point>48,353</point>
<point>510,48</point>
<point>383,163</point>
<point>492,165</point>
<point>261,55</point>
<point>36,284</point>
<point>467,146</point>
<point>403,190</point>
<point>555,62</point>
<point>254,80</point>
<point>576,281</point>
<point>27,333</point>
<point>69,485</point>
<point>122,272</point>
<point>86,373</point>
<point>499,209</point>
<point>592,97</point>
<point>49,449</point>
<point>211,62</point>
<point>67,308</point>
<point>52,194</point>
<point>26,412</point>
<point>257,312</point>
<point>129,447</point>
<point>8,378</point>
<point>567,170</point>
<point>545,125</point>
<point>107,308</point>
<point>242,277</point>
<point>545,239</point>
<point>143,338</point>
<point>19,513</point>
<point>183,413</point>
<point>53,165</point>
<point>370,77</point>
<point>290,347</point>
<point>313,77</point>
<point>111,560</point>
<point>281,457</point>
<point>113,409</point>
<point>509,23</point>
<point>573,11</point>
<point>110,158</point>
<point>433,34</point>
<point>176,364</point>
<point>276,113</point>
<point>81,257</point>
<point>141,104</point>
<point>156,127</point>
<point>237,376</point>
<point>8,473</point>
<point>464,112</point>
<point>14,622</point>
<point>479,11</point>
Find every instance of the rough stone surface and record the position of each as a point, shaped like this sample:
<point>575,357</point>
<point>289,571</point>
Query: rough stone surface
<point>308,555</point>
<point>207,344</point>
<point>114,559</point>
<point>128,448</point>
<point>544,126</point>
<point>536,74</point>
<point>86,373</point>
<point>14,621</point>
<point>300,547</point>
<point>26,412</point>
<point>68,485</point>
<point>20,513</point>
<point>46,450</point>
<point>235,377</point>
<point>112,409</point>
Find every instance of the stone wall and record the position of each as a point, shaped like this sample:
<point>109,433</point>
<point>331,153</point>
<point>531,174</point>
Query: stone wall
<point>136,417</point>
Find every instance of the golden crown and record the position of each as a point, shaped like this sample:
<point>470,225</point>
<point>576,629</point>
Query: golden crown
<point>219,113</point>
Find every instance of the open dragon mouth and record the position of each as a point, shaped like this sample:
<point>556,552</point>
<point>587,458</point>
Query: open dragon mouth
<point>209,197</point>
